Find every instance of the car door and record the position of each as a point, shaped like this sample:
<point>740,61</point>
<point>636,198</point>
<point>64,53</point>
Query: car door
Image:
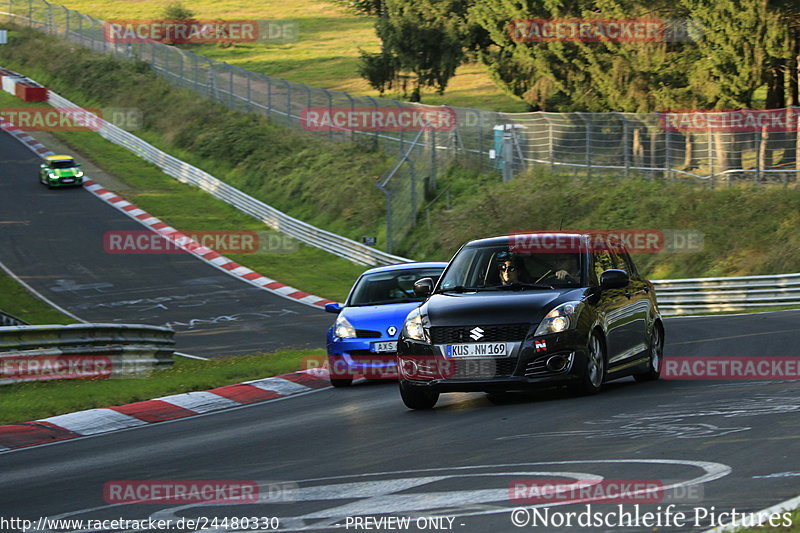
<point>633,311</point>
<point>637,305</point>
<point>611,307</point>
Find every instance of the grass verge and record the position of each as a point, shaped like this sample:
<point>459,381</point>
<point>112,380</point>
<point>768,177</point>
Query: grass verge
<point>41,399</point>
<point>17,301</point>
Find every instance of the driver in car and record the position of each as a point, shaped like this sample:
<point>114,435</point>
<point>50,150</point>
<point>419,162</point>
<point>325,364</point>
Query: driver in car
<point>512,269</point>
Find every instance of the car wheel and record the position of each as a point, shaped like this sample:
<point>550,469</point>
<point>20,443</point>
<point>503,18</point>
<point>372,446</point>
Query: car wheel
<point>417,397</point>
<point>341,382</point>
<point>656,357</point>
<point>594,373</point>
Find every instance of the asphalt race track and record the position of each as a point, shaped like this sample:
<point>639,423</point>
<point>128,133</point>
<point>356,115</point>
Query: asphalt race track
<point>53,240</point>
<point>360,452</point>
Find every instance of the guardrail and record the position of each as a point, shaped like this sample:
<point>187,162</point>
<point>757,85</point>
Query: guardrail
<point>82,351</point>
<point>681,296</point>
<point>278,220</point>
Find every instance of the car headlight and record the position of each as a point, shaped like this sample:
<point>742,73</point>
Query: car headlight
<point>342,328</point>
<point>79,174</point>
<point>413,327</point>
<point>52,176</point>
<point>561,318</point>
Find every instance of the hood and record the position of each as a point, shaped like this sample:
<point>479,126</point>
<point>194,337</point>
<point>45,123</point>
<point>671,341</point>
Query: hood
<point>378,317</point>
<point>495,307</point>
<point>64,172</point>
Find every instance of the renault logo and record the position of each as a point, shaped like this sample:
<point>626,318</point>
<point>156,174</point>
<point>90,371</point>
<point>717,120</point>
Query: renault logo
<point>391,331</point>
<point>476,333</point>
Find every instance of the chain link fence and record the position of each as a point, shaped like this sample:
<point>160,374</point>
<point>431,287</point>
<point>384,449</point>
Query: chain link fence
<point>587,144</point>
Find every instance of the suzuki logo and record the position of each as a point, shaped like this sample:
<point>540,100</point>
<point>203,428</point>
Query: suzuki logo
<point>476,333</point>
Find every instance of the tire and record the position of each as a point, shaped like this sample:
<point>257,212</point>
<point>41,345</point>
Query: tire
<point>417,397</point>
<point>594,373</point>
<point>341,382</point>
<point>656,357</point>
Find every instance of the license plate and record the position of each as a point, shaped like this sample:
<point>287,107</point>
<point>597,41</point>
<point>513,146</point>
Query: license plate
<point>481,349</point>
<point>384,347</point>
<point>67,180</point>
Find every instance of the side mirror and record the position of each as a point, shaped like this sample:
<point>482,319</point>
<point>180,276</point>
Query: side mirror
<point>614,278</point>
<point>423,287</point>
<point>333,307</point>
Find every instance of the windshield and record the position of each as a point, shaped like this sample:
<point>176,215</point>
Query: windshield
<point>490,267</point>
<point>390,287</point>
<point>66,163</point>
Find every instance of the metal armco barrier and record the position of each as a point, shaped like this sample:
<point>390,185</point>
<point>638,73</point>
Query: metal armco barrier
<point>682,296</point>
<point>37,353</point>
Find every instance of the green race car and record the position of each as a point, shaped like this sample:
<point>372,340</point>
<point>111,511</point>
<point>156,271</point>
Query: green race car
<point>60,171</point>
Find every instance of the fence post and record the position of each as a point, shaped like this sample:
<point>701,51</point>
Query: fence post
<point>588,141</point>
<point>626,144</point>
<point>667,156</point>
<point>330,106</point>
<point>433,159</point>
<point>759,155</point>
<point>269,96</point>
<point>711,159</point>
<point>352,112</point>
<point>388,195</point>
<point>288,103</point>
<point>231,102</point>
<point>375,133</point>
<point>551,152</point>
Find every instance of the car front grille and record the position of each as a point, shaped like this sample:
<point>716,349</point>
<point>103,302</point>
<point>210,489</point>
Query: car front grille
<point>482,368</point>
<point>367,334</point>
<point>494,333</point>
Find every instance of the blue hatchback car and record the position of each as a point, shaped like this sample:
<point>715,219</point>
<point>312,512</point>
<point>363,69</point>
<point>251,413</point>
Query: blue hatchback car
<point>363,340</point>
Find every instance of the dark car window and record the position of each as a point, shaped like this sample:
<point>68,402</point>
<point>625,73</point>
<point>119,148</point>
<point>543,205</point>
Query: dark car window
<point>603,260</point>
<point>388,287</point>
<point>66,163</point>
<point>479,267</point>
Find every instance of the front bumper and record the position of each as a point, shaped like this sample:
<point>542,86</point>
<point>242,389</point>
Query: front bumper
<point>539,362</point>
<point>59,182</point>
<point>349,358</point>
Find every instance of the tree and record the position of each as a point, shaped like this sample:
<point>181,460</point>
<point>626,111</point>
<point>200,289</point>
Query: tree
<point>425,38</point>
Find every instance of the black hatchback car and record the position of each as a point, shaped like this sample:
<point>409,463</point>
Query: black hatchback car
<point>521,311</point>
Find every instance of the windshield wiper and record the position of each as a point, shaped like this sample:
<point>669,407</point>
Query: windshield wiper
<point>521,286</point>
<point>457,288</point>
